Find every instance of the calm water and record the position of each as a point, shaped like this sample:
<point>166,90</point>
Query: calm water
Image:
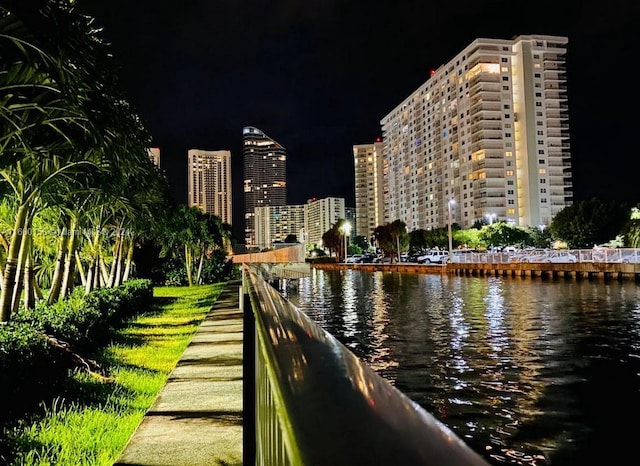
<point>525,371</point>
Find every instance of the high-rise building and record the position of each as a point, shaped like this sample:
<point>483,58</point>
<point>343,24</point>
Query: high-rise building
<point>486,136</point>
<point>369,187</point>
<point>265,179</point>
<point>154,155</point>
<point>320,215</point>
<point>274,223</point>
<point>209,182</point>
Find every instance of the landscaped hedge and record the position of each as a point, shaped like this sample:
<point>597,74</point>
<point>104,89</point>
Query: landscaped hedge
<point>37,347</point>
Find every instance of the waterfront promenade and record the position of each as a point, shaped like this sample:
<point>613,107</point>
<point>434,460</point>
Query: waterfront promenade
<point>197,418</point>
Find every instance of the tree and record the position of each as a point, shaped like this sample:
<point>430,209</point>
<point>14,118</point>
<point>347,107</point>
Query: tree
<point>385,241</point>
<point>588,223</point>
<point>503,234</point>
<point>398,231</point>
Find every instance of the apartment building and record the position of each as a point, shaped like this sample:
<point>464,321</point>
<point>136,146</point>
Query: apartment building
<point>209,182</point>
<point>265,182</point>
<point>369,187</point>
<point>274,223</point>
<point>320,215</point>
<point>487,135</point>
<point>154,155</point>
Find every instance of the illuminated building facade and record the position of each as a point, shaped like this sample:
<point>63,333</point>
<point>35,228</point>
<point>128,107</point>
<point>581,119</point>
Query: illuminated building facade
<point>369,187</point>
<point>488,131</point>
<point>154,155</point>
<point>274,223</point>
<point>209,182</point>
<point>320,215</point>
<point>265,182</point>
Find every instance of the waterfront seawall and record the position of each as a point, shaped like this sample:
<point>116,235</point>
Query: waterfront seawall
<point>578,271</point>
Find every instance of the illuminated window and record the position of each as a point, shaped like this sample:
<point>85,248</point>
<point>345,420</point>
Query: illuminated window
<point>511,211</point>
<point>509,173</point>
<point>542,171</point>
<point>508,154</point>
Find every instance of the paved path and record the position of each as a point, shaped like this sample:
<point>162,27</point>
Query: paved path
<point>197,417</point>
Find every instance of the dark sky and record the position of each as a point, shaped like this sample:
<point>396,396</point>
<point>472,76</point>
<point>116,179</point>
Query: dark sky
<point>319,75</point>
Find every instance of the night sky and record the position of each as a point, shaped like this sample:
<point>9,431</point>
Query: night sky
<point>319,75</point>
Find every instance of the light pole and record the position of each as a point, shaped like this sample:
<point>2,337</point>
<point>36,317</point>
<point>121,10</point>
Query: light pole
<point>346,231</point>
<point>449,202</point>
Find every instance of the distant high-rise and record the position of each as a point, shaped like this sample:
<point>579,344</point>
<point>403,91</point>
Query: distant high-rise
<point>265,179</point>
<point>154,155</point>
<point>320,215</point>
<point>209,182</point>
<point>486,136</point>
<point>275,223</point>
<point>368,161</point>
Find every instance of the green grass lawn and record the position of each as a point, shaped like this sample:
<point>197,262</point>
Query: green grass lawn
<point>93,422</point>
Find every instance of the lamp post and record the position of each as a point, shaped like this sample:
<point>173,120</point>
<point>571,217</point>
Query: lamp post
<point>346,231</point>
<point>449,202</point>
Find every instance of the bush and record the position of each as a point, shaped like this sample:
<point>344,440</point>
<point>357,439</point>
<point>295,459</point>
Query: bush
<point>31,368</point>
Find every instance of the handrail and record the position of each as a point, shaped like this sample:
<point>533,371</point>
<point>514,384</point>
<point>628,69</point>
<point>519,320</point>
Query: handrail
<point>318,404</point>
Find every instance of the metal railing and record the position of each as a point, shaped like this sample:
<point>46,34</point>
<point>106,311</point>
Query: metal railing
<point>597,255</point>
<point>316,403</point>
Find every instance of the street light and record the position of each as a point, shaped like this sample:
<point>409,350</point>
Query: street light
<point>449,203</point>
<point>346,231</point>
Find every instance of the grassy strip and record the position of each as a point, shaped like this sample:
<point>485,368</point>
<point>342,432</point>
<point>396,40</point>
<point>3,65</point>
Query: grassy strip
<point>93,422</point>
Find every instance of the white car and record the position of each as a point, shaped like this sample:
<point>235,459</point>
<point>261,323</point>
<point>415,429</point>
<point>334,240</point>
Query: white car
<point>551,257</point>
<point>433,257</point>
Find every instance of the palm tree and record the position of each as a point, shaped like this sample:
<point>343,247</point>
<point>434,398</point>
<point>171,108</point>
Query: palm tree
<point>60,120</point>
<point>398,231</point>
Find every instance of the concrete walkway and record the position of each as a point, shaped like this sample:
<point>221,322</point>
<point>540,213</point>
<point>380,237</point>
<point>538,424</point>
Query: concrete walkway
<point>197,418</point>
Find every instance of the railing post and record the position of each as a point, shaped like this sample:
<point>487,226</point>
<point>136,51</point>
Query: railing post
<point>248,374</point>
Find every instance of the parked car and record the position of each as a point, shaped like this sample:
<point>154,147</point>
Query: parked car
<point>463,255</point>
<point>434,256</point>
<point>551,257</point>
<point>355,259</point>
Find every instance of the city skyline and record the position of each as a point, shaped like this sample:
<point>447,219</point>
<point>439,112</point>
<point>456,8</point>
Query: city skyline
<point>319,78</point>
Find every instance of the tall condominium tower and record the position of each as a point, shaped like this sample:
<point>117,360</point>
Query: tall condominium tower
<point>209,182</point>
<point>486,136</point>
<point>320,215</point>
<point>275,223</point>
<point>368,160</point>
<point>265,179</point>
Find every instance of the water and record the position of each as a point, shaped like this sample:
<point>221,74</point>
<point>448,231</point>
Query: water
<point>526,371</point>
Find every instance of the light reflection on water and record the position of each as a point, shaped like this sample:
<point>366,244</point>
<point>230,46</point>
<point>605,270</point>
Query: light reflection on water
<point>526,371</point>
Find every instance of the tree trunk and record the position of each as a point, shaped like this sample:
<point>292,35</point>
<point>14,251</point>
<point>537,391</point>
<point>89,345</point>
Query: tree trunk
<point>29,282</point>
<point>129,260</point>
<point>80,269</point>
<point>69,263</point>
<point>119,258</point>
<point>58,273</point>
<point>199,274</point>
<point>11,265</point>
<point>25,246</point>
<point>188,264</point>
<point>114,264</point>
